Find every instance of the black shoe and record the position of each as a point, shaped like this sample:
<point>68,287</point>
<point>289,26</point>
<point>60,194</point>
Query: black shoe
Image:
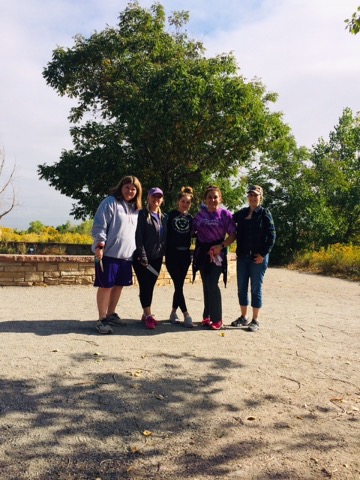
<point>240,322</point>
<point>253,326</point>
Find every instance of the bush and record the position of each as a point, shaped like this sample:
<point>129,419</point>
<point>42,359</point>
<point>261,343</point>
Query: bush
<point>334,260</point>
<point>47,235</point>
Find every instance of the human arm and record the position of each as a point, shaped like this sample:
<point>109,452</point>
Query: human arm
<point>140,252</point>
<point>229,232</point>
<point>102,220</point>
<point>269,233</point>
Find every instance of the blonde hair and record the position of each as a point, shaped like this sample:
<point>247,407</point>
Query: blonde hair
<point>161,215</point>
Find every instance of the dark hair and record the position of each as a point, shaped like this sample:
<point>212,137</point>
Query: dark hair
<point>186,191</point>
<point>116,191</point>
<point>212,187</point>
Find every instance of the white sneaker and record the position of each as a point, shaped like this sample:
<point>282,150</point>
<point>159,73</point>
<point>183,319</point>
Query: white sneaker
<point>188,322</point>
<point>103,327</point>
<point>174,318</point>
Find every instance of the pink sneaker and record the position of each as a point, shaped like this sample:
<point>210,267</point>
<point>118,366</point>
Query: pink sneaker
<point>216,326</point>
<point>150,322</point>
<point>206,322</point>
<point>144,317</point>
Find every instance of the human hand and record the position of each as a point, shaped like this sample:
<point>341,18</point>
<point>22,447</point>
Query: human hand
<point>215,255</point>
<point>258,259</point>
<point>99,254</point>
<point>144,264</point>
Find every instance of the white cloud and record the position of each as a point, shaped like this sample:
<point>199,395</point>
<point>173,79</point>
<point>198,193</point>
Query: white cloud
<point>299,48</point>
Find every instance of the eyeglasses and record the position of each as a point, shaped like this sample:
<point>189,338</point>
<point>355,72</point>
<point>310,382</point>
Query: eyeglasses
<point>253,195</point>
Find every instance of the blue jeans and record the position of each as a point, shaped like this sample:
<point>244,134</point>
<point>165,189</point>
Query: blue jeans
<point>248,270</point>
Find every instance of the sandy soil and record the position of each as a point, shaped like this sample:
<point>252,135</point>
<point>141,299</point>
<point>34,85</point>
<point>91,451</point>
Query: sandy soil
<point>175,403</point>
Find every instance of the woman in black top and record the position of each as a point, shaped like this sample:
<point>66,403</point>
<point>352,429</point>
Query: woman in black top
<point>177,255</point>
<point>150,239</point>
<point>255,236</point>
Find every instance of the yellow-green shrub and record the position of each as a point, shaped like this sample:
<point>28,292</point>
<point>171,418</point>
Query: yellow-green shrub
<point>338,260</point>
<point>49,235</point>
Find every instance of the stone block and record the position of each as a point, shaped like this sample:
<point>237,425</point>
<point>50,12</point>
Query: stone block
<point>20,268</point>
<point>68,266</point>
<point>34,277</point>
<point>14,275</point>
<point>52,274</point>
<point>84,280</point>
<point>72,273</point>
<point>47,267</point>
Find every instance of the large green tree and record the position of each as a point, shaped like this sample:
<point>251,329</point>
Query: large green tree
<point>314,195</point>
<point>337,169</point>
<point>151,104</point>
<point>288,184</point>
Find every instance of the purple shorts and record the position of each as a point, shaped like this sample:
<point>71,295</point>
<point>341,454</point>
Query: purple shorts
<point>116,272</point>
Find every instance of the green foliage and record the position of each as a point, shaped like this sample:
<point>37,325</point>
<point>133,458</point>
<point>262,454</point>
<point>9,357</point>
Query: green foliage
<point>149,103</point>
<point>337,169</point>
<point>83,228</point>
<point>36,227</point>
<point>353,24</point>
<point>314,196</point>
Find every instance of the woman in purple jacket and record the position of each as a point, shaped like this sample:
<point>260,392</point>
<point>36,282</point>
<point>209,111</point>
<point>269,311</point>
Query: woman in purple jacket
<point>215,230</point>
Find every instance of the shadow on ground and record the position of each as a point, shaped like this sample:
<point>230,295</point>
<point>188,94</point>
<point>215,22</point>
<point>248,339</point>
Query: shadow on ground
<point>142,424</point>
<point>81,327</point>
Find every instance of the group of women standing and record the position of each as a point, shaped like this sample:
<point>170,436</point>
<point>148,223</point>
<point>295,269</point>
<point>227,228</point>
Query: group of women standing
<point>127,235</point>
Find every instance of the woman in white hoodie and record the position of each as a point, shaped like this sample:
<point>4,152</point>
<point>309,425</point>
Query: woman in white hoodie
<point>113,232</point>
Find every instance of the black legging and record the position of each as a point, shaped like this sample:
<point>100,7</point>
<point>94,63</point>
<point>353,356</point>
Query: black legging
<point>177,264</point>
<point>147,280</point>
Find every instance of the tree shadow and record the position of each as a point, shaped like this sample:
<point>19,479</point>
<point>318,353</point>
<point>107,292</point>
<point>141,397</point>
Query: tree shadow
<point>136,424</point>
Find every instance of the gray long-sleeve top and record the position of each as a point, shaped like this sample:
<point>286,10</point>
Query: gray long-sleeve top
<point>115,224</point>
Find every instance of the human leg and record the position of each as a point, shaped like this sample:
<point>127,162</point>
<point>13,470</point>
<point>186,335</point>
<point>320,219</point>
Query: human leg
<point>102,300</point>
<point>243,277</point>
<point>257,280</point>
<point>147,281</point>
<point>171,265</point>
<point>257,273</point>
<point>143,278</point>
<point>213,301</point>
<point>177,265</point>
<point>206,310</point>
<point>114,274</point>
<point>114,299</point>
<point>184,268</point>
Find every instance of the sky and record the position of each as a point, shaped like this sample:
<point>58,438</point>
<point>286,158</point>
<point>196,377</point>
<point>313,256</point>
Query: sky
<point>299,49</point>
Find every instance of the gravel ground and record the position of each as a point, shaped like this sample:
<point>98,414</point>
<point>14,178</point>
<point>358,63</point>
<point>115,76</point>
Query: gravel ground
<point>177,403</point>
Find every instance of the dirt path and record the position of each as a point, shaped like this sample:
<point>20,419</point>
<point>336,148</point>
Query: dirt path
<point>174,403</point>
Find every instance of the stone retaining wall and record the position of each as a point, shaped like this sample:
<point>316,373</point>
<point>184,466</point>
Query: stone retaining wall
<point>41,270</point>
